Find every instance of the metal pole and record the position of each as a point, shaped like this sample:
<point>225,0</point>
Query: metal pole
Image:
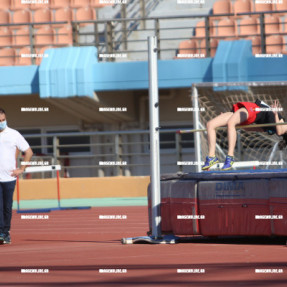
<point>207,37</point>
<point>32,43</point>
<point>262,33</point>
<point>143,13</point>
<point>56,153</point>
<point>154,136</point>
<point>124,26</point>
<point>178,147</point>
<point>156,236</point>
<point>196,126</point>
<point>239,145</point>
<point>58,189</point>
<point>118,154</point>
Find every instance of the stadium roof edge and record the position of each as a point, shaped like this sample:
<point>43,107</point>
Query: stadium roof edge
<point>80,74</point>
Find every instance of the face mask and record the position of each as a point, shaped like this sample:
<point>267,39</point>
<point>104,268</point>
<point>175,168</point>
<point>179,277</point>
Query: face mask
<point>3,125</point>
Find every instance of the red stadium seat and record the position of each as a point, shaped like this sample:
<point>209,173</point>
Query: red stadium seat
<point>22,37</point>
<point>222,7</point>
<point>243,6</point>
<point>24,61</point>
<point>200,29</point>
<point>85,14</point>
<point>21,16</point>
<point>42,15</point>
<point>262,7</point>
<point>248,26</point>
<point>274,44</point>
<point>55,4</point>
<point>18,5</point>
<point>272,25</point>
<point>44,36</point>
<point>7,57</point>
<point>80,3</point>
<point>6,39</point>
<point>281,7</point>
<point>256,44</point>
<point>64,36</point>
<point>213,47</point>
<point>188,47</point>
<point>227,28</point>
<point>37,6</point>
<point>5,4</point>
<point>4,17</point>
<point>64,14</point>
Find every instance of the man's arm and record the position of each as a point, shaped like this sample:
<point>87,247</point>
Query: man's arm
<point>27,157</point>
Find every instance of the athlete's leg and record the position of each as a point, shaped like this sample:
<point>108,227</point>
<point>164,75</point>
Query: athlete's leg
<point>218,121</point>
<point>238,117</point>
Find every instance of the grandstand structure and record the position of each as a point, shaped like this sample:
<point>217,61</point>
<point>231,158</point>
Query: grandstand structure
<point>33,28</point>
<point>94,56</point>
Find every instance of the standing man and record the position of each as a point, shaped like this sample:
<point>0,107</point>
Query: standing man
<point>10,142</point>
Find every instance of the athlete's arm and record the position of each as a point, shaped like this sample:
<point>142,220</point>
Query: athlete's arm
<point>280,129</point>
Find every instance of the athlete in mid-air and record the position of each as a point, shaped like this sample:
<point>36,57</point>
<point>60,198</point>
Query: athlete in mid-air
<point>243,113</point>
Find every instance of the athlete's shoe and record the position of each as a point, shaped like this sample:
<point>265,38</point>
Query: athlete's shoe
<point>7,239</point>
<point>2,238</point>
<point>229,161</point>
<point>209,162</point>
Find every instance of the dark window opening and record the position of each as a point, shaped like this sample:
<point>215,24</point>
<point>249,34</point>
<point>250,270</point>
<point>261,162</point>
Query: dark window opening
<point>168,139</point>
<point>33,141</point>
<point>70,140</point>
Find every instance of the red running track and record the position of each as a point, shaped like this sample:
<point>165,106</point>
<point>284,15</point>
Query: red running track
<point>73,245</point>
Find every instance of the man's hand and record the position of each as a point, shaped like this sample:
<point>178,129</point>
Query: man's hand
<point>276,107</point>
<point>27,157</point>
<point>16,172</point>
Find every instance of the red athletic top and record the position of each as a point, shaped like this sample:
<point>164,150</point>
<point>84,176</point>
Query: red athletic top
<point>250,107</point>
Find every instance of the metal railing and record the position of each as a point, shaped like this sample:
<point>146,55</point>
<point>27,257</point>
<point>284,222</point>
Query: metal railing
<point>110,153</point>
<point>31,33</point>
<point>128,36</point>
<point>116,41</point>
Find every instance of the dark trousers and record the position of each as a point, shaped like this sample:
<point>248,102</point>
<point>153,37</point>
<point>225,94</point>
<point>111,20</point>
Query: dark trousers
<point>6,201</point>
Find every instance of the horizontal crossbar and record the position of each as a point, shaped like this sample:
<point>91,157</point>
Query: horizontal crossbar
<point>238,164</point>
<point>32,169</point>
<point>237,127</point>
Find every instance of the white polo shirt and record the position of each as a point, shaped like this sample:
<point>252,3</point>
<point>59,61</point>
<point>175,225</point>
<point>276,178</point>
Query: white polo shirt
<point>10,139</point>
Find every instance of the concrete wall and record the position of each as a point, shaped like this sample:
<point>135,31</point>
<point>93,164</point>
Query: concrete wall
<point>19,120</point>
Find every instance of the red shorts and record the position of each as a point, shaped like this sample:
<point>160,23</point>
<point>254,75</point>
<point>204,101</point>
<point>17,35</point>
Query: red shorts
<point>250,107</point>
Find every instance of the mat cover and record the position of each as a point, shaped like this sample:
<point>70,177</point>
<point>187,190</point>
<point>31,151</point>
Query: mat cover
<point>217,203</point>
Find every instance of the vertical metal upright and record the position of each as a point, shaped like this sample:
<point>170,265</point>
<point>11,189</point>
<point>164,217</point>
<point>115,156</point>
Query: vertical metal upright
<point>154,136</point>
<point>156,236</point>
<point>197,145</point>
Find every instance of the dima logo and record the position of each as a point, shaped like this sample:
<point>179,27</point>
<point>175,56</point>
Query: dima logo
<point>230,185</point>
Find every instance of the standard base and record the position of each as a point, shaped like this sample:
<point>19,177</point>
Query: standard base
<point>70,207</point>
<point>166,239</point>
<point>39,210</point>
<point>44,210</point>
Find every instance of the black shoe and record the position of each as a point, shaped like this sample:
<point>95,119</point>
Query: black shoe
<point>2,238</point>
<point>7,239</point>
